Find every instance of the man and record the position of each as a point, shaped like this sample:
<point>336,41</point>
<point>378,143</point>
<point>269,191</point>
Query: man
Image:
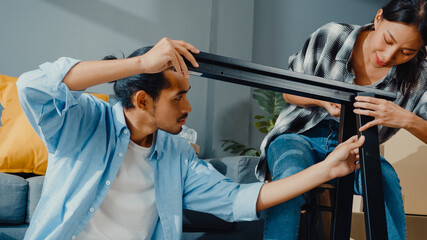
<point>120,172</point>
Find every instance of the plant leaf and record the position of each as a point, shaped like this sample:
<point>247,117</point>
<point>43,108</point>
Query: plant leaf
<point>238,148</point>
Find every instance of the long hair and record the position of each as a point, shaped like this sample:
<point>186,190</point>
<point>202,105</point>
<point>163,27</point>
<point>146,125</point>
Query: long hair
<point>152,84</point>
<point>411,12</point>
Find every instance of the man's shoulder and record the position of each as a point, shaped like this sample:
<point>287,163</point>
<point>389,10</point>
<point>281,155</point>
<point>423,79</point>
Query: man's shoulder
<point>173,141</point>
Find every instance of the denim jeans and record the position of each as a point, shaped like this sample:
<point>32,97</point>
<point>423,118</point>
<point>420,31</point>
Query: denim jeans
<point>290,153</point>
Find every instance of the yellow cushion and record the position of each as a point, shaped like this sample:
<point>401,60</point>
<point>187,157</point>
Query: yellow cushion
<point>21,149</point>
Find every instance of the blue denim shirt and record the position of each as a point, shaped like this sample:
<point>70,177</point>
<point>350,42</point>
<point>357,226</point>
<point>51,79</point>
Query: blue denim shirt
<point>87,140</point>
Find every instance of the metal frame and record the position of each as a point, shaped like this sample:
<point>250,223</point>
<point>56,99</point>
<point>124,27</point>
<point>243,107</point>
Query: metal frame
<point>261,76</point>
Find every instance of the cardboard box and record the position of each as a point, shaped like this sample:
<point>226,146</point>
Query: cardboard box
<point>416,227</point>
<point>408,155</point>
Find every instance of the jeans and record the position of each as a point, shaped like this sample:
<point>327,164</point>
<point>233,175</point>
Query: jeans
<point>290,153</point>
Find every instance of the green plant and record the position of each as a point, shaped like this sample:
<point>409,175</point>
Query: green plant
<point>271,103</point>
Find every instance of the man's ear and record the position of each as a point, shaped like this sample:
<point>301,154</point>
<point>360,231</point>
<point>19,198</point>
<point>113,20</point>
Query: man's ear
<point>140,99</point>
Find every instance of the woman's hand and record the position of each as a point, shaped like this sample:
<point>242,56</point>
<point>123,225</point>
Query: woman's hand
<point>343,160</point>
<point>384,112</point>
<point>169,53</point>
<point>333,108</point>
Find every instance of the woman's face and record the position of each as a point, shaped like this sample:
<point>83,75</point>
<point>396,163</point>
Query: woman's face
<point>392,43</point>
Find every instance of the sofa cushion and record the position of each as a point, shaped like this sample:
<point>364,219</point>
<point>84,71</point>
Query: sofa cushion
<point>35,185</point>
<point>240,169</point>
<point>13,232</point>
<point>21,149</point>
<point>194,221</point>
<point>13,198</point>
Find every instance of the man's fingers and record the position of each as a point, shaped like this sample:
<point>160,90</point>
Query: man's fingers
<point>187,45</point>
<point>359,142</point>
<point>175,62</point>
<point>355,142</point>
<point>184,52</point>
<point>184,68</point>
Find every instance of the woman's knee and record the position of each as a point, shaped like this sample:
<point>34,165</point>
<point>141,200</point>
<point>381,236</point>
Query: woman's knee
<point>289,154</point>
<point>390,177</point>
<point>391,181</point>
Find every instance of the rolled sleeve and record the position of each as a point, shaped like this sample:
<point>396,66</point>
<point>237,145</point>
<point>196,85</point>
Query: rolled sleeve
<point>55,73</point>
<point>244,207</point>
<point>45,99</point>
<point>209,191</point>
<point>421,109</point>
<point>38,88</point>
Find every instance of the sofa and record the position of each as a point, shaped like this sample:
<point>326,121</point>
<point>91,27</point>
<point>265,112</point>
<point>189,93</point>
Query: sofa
<point>19,195</point>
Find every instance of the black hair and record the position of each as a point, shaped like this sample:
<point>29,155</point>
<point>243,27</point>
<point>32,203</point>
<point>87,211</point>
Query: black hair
<point>152,84</point>
<point>411,12</point>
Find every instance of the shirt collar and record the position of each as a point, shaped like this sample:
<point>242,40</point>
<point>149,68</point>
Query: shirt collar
<point>158,143</point>
<point>120,122</point>
<point>120,125</point>
<point>344,54</point>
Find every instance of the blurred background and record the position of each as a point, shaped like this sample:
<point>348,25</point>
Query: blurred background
<point>265,32</point>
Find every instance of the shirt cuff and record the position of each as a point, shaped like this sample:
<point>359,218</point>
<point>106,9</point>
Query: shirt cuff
<point>56,72</point>
<point>244,207</point>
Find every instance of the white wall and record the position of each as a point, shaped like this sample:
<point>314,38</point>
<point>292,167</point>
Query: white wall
<point>33,32</point>
<point>265,32</point>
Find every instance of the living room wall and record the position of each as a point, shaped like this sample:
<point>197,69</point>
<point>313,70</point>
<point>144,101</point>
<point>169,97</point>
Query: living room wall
<point>37,31</point>
<point>282,27</point>
<point>266,32</point>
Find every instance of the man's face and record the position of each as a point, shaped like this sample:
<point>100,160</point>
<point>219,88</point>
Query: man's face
<point>172,107</point>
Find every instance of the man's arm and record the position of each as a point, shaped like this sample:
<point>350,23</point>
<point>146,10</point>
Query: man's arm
<point>340,162</point>
<point>165,54</point>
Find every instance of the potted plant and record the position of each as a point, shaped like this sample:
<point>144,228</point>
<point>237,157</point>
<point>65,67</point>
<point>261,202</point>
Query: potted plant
<point>271,103</point>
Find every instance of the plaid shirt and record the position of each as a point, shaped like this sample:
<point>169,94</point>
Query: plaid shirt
<point>327,54</point>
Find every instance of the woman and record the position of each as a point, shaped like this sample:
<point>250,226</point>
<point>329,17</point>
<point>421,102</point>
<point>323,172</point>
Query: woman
<point>388,54</point>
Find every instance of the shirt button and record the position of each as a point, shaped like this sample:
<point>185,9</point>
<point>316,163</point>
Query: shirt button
<point>91,210</point>
<point>120,154</point>
<point>73,237</point>
<point>108,183</point>
<point>125,131</point>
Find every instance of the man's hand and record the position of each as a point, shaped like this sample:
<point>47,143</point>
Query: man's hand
<point>343,160</point>
<point>169,53</point>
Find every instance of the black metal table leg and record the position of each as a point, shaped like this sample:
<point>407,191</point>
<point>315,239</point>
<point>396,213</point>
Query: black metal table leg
<point>372,183</point>
<point>373,194</point>
<point>265,77</point>
<point>343,203</point>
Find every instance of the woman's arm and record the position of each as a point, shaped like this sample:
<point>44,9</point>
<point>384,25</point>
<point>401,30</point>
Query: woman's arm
<point>340,162</point>
<point>418,127</point>
<point>165,54</point>
<point>333,108</point>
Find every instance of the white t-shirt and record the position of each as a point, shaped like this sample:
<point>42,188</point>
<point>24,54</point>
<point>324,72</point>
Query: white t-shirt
<point>129,210</point>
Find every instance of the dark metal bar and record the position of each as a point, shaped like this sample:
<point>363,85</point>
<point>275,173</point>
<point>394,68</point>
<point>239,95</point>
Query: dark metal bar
<point>343,202</point>
<point>276,79</point>
<point>265,77</point>
<point>372,183</point>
